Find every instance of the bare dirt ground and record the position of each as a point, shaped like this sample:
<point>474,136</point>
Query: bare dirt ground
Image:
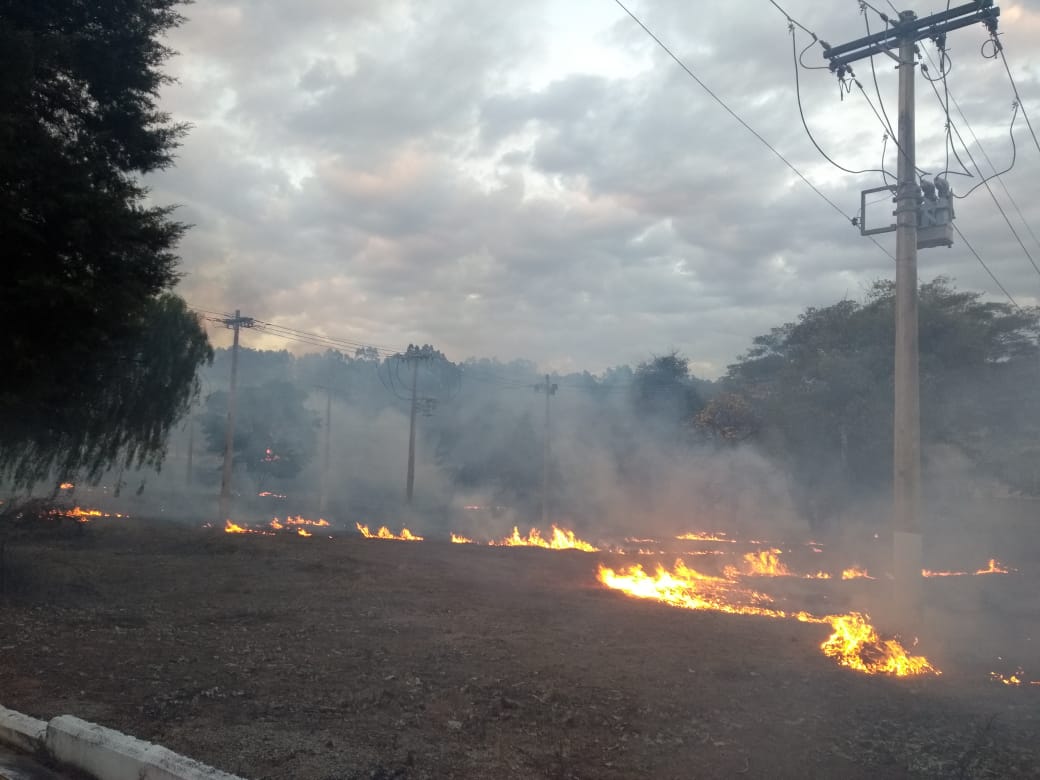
<point>319,659</point>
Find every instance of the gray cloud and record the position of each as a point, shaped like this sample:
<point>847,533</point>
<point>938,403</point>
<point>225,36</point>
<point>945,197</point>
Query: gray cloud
<point>401,172</point>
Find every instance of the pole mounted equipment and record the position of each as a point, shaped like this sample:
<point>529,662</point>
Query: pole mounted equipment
<point>922,220</point>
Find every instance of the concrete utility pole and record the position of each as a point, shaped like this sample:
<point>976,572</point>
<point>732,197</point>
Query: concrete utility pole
<point>904,34</point>
<point>324,500</point>
<point>236,323</point>
<point>549,390</point>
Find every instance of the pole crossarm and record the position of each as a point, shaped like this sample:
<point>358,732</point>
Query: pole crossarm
<point>910,27</point>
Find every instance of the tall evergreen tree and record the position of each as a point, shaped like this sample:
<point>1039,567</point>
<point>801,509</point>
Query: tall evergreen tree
<point>87,318</point>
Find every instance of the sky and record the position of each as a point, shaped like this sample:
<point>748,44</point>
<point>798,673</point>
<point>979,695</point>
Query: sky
<point>539,180</point>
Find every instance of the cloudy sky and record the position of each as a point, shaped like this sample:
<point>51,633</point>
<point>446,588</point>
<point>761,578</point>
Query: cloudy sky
<point>539,180</point>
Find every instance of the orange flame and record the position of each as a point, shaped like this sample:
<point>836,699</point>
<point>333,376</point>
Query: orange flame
<point>66,486</point>
<point>386,533</point>
<point>855,572</point>
<point>704,536</point>
<point>853,643</point>
<point>320,523</point>
<point>994,568</point>
<point>456,539</point>
<point>276,524</point>
<point>232,528</point>
<point>81,515</point>
<point>761,563</point>
<point>303,532</point>
<point>562,539</point>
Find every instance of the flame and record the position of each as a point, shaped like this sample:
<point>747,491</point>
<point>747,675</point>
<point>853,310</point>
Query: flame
<point>704,536</point>
<point>994,568</point>
<point>81,515</point>
<point>386,533</point>
<point>303,532</point>
<point>276,524</point>
<point>269,494</point>
<point>761,563</point>
<point>66,486</point>
<point>562,539</point>
<point>1013,679</point>
<point>319,523</point>
<point>455,539</point>
<point>853,643</point>
<point>231,528</point>
<point>855,572</point>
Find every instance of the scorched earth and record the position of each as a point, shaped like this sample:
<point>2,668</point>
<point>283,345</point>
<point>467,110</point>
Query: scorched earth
<point>290,656</point>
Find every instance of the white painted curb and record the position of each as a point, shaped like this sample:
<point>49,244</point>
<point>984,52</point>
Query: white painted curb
<point>111,755</point>
<point>103,753</point>
<point>20,731</point>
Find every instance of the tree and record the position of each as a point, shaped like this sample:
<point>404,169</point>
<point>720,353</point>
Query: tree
<point>275,434</point>
<point>822,387</point>
<point>89,262</point>
<point>663,392</point>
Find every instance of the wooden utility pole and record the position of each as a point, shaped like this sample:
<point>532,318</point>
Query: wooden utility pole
<point>549,390</point>
<point>236,323</point>
<point>904,34</point>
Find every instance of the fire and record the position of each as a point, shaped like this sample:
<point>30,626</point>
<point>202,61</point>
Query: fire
<point>704,536</point>
<point>386,533</point>
<point>232,528</point>
<point>276,524</point>
<point>81,515</point>
<point>269,494</point>
<point>853,643</point>
<point>1013,679</point>
<point>994,567</point>
<point>761,563</point>
<point>319,523</point>
<point>456,539</point>
<point>66,486</point>
<point>855,572</point>
<point>562,539</point>
<point>303,532</point>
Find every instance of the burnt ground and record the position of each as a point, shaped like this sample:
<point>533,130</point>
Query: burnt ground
<point>319,659</point>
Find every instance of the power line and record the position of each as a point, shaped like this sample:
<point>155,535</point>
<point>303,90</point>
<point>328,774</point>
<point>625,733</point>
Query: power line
<point>985,154</point>
<point>983,264</point>
<point>737,117</point>
<point>1007,68</point>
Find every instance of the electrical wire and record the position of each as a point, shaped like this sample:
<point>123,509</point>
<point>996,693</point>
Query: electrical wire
<point>985,154</point>
<point>1014,87</point>
<point>873,73</point>
<point>997,174</point>
<point>744,124</point>
<point>983,264</point>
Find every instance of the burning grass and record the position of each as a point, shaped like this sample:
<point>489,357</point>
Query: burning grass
<point>561,539</point>
<point>993,567</point>
<point>386,533</point>
<point>853,643</point>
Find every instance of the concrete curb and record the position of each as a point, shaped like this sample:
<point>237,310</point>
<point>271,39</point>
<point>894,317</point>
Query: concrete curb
<point>101,752</point>
<point>21,732</point>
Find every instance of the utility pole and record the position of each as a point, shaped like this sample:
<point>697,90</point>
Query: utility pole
<point>548,390</point>
<point>236,323</point>
<point>410,482</point>
<point>904,34</point>
<point>191,448</point>
<point>323,502</point>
